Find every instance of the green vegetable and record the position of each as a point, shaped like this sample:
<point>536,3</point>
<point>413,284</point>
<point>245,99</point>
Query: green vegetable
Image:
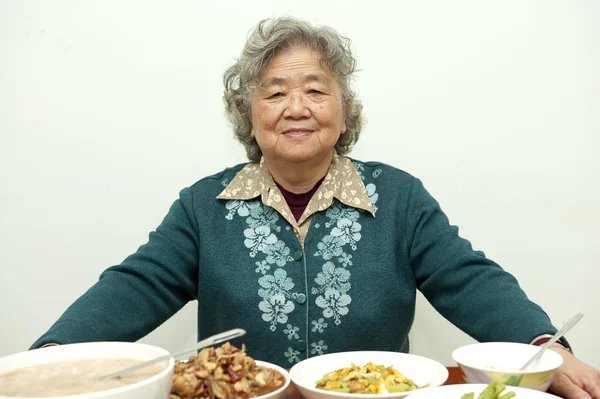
<point>322,380</point>
<point>492,391</point>
<point>402,387</point>
<point>488,392</point>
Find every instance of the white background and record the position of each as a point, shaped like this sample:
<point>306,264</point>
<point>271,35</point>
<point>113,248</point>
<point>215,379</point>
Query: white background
<point>108,109</point>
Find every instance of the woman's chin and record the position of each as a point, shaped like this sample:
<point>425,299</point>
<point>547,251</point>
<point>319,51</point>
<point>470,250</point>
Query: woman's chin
<point>304,157</point>
<point>301,154</point>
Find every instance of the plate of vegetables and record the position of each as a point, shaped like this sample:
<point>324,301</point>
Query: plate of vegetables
<point>375,374</point>
<point>367,379</point>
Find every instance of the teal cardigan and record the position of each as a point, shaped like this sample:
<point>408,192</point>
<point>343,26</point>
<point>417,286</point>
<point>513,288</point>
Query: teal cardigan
<point>352,287</point>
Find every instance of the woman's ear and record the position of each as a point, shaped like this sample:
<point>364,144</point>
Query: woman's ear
<point>346,107</point>
<point>252,134</point>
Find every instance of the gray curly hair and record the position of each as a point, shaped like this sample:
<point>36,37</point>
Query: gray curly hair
<point>270,37</point>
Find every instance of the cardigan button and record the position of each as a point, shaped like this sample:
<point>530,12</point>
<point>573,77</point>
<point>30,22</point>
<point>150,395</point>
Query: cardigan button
<point>301,298</point>
<point>297,255</point>
<point>300,345</point>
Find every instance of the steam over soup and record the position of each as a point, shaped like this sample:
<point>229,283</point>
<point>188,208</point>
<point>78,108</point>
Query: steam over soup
<point>71,377</point>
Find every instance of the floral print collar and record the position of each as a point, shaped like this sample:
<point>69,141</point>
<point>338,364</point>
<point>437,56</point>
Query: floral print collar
<point>342,182</point>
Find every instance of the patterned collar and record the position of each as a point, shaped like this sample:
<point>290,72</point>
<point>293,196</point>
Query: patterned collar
<point>341,182</point>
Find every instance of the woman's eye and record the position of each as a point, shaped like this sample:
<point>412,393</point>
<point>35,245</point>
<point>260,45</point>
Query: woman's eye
<point>275,95</point>
<point>315,91</point>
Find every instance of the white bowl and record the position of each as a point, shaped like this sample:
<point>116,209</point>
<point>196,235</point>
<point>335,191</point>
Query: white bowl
<point>501,361</point>
<point>456,391</point>
<point>275,394</point>
<point>155,387</point>
<point>417,368</point>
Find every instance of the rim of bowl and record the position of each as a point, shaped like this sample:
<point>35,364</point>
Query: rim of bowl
<point>92,395</point>
<point>556,357</point>
<point>361,395</point>
<point>281,370</point>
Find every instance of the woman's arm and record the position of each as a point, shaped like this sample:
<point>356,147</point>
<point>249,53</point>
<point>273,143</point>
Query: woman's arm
<point>132,299</point>
<point>470,290</point>
<point>477,296</point>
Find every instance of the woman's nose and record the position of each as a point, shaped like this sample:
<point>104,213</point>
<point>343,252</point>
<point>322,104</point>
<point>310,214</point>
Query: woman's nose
<point>297,107</point>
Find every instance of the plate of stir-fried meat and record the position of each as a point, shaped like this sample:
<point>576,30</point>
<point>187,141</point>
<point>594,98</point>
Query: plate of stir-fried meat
<point>226,372</point>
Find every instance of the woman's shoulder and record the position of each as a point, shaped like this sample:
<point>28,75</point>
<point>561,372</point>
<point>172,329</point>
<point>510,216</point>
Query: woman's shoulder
<point>382,171</point>
<point>213,184</point>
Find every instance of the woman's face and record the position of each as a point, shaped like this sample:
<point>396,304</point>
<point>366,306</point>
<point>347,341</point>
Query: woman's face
<point>297,112</point>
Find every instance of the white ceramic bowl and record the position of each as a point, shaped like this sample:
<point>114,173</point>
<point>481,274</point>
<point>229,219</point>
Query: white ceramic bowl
<point>456,391</point>
<point>155,387</point>
<point>501,361</point>
<point>275,394</point>
<point>417,368</point>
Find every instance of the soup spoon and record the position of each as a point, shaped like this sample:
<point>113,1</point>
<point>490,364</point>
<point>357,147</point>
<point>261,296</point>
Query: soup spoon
<point>210,341</point>
<point>568,325</point>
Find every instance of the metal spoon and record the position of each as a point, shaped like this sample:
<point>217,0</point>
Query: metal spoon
<point>210,341</point>
<point>568,325</point>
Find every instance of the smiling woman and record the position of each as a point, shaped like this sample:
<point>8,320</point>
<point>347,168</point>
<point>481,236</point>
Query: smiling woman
<point>297,117</point>
<point>338,272</point>
<point>269,40</point>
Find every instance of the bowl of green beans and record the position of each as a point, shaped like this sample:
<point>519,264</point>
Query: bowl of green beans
<point>493,390</point>
<point>501,362</point>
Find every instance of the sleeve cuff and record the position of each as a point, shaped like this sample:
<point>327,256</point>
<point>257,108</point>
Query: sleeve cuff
<point>49,344</point>
<point>542,339</point>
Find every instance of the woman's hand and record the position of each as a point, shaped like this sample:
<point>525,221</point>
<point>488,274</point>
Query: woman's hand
<point>575,379</point>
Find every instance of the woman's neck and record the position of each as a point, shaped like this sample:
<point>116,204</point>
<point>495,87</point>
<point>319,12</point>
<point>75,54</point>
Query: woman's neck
<point>299,178</point>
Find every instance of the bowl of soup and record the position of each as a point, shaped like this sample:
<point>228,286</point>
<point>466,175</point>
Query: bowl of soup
<point>71,371</point>
<point>483,363</point>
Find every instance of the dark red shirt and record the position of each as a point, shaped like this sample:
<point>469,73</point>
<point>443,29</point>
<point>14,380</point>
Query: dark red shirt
<point>298,202</point>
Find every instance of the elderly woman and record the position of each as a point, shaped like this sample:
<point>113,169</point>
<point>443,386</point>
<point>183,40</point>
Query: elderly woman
<point>308,250</point>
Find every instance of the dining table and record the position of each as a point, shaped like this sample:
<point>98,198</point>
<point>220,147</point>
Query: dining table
<point>455,376</point>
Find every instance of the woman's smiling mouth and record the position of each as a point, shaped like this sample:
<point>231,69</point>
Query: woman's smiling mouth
<point>297,132</point>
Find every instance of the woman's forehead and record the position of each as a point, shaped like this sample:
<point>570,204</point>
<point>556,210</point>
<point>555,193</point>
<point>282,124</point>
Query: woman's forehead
<point>296,64</point>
